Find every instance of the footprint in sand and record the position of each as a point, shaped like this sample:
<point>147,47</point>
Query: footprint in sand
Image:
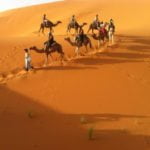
<point>21,73</point>
<point>11,76</point>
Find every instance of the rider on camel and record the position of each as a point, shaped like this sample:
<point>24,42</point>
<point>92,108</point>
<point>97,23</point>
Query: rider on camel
<point>102,28</point>
<point>96,20</point>
<point>45,20</point>
<point>80,36</point>
<point>73,19</point>
<point>50,41</point>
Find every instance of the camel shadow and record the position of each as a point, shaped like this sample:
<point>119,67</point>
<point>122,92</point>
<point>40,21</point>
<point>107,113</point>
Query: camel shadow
<point>64,68</point>
<point>26,123</point>
<point>137,39</point>
<point>139,48</point>
<point>105,61</point>
<point>136,43</point>
<point>143,40</point>
<point>126,55</point>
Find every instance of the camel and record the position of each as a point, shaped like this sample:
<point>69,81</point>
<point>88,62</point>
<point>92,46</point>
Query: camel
<point>75,26</point>
<point>100,37</point>
<point>86,42</point>
<point>55,47</point>
<point>49,25</point>
<point>93,26</point>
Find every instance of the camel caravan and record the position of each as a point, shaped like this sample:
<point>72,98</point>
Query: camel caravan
<point>105,34</point>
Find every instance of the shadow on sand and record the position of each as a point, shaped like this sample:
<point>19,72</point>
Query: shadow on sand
<point>104,61</point>
<point>25,124</point>
<point>136,43</point>
<point>64,68</point>
<point>100,59</point>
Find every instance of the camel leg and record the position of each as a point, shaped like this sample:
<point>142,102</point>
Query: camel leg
<point>92,31</point>
<point>40,29</point>
<point>76,30</point>
<point>103,42</point>
<point>99,44</point>
<point>77,51</point>
<point>46,60</point>
<point>51,30</point>
<point>52,60</point>
<point>86,48</point>
<point>65,57</point>
<point>61,58</point>
<point>68,29</point>
<point>43,30</point>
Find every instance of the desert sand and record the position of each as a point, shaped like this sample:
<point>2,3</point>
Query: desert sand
<point>104,94</point>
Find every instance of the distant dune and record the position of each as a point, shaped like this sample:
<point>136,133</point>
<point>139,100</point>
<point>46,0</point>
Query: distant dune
<point>131,17</point>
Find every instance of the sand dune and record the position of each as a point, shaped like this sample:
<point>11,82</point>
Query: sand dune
<point>131,17</point>
<point>58,106</point>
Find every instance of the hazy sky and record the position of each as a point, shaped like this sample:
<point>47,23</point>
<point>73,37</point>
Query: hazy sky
<point>10,4</point>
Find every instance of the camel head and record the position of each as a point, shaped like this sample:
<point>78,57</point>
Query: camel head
<point>70,41</point>
<point>26,50</point>
<point>67,38</point>
<point>84,24</point>
<point>33,48</point>
<point>93,35</point>
<point>58,22</point>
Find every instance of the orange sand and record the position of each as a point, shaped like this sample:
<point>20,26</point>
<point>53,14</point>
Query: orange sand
<point>54,107</point>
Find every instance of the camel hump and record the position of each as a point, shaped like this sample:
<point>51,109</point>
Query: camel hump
<point>54,42</point>
<point>49,23</point>
<point>72,23</point>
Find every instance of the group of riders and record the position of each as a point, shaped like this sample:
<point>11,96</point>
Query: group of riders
<point>79,38</point>
<point>101,26</point>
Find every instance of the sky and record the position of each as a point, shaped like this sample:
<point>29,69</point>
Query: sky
<point>11,4</point>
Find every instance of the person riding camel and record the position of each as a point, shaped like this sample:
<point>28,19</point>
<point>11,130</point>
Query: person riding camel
<point>73,20</point>
<point>102,28</point>
<point>111,25</point>
<point>50,41</point>
<point>45,20</point>
<point>80,37</point>
<point>96,20</point>
<point>102,24</point>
